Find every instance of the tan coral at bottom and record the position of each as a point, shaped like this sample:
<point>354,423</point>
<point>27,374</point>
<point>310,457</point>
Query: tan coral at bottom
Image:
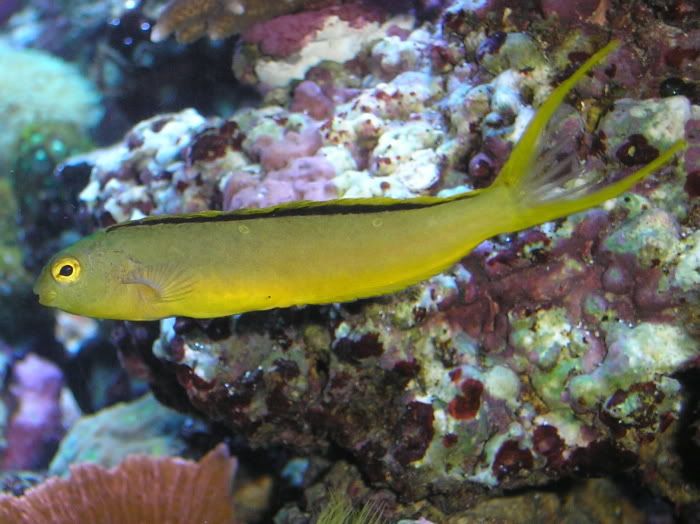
<point>141,490</point>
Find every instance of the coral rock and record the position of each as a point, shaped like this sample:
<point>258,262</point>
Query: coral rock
<point>286,48</point>
<point>545,354</point>
<point>192,19</point>
<point>286,35</point>
<point>571,12</point>
<point>141,427</point>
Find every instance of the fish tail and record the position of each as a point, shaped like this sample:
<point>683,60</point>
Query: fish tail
<point>543,185</point>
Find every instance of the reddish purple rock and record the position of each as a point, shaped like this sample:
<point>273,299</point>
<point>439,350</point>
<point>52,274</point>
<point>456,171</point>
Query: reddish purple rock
<point>285,35</point>
<point>35,426</point>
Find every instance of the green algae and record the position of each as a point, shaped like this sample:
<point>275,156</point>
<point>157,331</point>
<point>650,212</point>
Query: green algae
<point>12,273</point>
<point>340,510</point>
<point>651,237</point>
<point>143,426</point>
<point>643,353</point>
<point>687,273</point>
<point>519,51</point>
<point>660,121</point>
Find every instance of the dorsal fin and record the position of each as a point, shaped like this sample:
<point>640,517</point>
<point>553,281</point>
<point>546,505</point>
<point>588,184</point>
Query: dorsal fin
<point>299,208</point>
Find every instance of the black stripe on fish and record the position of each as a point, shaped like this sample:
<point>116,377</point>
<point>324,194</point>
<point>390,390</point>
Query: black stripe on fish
<point>288,210</point>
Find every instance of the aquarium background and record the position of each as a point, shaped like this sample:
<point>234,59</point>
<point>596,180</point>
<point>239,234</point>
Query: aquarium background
<point>551,376</point>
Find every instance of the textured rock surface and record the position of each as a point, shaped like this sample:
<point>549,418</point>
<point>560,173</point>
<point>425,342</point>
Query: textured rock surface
<point>142,427</point>
<point>192,19</point>
<point>566,350</point>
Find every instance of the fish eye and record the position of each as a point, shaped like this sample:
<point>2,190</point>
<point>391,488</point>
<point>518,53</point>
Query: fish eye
<point>65,270</point>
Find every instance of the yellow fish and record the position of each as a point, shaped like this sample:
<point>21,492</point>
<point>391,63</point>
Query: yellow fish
<point>213,264</point>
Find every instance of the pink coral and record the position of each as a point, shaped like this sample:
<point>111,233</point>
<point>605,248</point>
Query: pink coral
<point>285,35</point>
<point>309,176</point>
<point>292,171</point>
<point>310,98</point>
<point>275,154</point>
<point>35,427</point>
<point>306,178</point>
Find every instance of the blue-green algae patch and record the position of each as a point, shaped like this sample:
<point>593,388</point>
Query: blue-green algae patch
<point>143,426</point>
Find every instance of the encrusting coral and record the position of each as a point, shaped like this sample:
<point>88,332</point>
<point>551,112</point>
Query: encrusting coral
<point>140,490</point>
<point>192,19</point>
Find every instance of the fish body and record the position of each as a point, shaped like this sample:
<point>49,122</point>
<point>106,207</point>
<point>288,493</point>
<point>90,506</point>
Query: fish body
<point>213,264</point>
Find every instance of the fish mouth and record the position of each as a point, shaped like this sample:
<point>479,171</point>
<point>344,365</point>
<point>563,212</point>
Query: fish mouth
<point>46,298</point>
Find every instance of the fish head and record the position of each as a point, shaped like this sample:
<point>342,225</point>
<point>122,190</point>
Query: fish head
<point>85,279</point>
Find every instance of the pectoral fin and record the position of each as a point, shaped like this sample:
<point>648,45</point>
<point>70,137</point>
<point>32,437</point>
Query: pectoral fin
<point>162,282</point>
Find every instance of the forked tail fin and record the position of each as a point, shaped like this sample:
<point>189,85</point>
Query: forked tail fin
<point>541,184</point>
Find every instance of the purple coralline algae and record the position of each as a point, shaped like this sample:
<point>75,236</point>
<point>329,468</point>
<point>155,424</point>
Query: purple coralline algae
<point>285,48</point>
<point>559,351</point>
<point>36,409</point>
<point>8,8</point>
